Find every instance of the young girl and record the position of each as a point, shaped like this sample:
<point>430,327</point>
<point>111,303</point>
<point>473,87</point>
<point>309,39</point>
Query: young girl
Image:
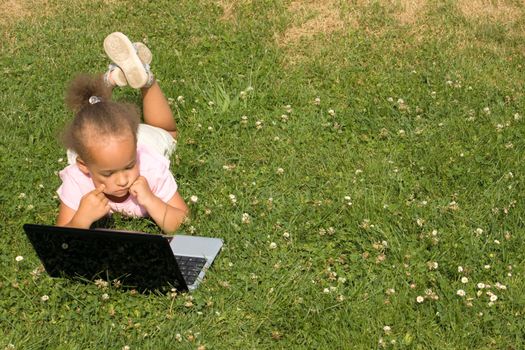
<point>115,163</point>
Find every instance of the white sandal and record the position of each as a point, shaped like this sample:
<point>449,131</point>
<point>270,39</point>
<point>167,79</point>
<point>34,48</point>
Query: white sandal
<point>115,75</point>
<point>122,52</point>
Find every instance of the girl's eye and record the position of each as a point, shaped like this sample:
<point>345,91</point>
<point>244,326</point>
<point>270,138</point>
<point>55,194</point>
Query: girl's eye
<point>106,174</point>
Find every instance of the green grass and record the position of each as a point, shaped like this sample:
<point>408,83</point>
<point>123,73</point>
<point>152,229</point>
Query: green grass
<point>425,139</point>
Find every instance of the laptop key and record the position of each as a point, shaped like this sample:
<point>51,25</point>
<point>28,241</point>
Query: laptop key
<point>190,267</point>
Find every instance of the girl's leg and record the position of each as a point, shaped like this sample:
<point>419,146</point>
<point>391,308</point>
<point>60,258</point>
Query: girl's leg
<point>156,109</point>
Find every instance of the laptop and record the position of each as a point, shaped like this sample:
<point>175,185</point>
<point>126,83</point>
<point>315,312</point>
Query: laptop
<point>137,260</point>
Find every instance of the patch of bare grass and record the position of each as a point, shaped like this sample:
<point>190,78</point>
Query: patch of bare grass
<point>310,18</point>
<point>229,7</point>
<point>409,11</point>
<point>12,11</point>
<point>492,10</point>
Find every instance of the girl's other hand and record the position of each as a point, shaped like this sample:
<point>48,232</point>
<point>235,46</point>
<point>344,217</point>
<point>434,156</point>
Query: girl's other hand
<point>141,191</point>
<point>93,206</point>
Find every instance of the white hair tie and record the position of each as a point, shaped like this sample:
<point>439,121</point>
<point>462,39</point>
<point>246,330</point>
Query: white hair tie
<point>94,99</point>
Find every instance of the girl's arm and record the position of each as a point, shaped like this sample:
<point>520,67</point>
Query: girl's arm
<point>93,206</point>
<point>65,214</point>
<point>169,216</point>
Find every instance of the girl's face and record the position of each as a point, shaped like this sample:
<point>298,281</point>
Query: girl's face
<point>113,163</point>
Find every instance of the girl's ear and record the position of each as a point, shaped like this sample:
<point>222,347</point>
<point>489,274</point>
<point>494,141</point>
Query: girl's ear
<point>82,166</point>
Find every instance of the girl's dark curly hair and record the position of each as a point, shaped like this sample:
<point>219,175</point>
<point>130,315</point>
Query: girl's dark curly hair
<point>94,121</point>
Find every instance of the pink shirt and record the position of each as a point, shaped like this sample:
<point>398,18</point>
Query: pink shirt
<point>154,167</point>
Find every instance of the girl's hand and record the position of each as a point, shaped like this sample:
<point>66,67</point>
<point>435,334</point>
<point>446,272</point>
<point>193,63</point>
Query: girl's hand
<point>140,190</point>
<point>93,206</point>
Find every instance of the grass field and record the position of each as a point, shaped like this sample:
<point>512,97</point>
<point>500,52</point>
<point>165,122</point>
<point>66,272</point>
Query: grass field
<point>362,160</point>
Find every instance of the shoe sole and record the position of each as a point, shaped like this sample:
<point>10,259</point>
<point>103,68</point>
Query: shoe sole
<point>121,51</point>
<point>145,57</point>
<point>143,52</point>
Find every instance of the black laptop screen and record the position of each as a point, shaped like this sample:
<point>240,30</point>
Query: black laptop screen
<point>137,260</point>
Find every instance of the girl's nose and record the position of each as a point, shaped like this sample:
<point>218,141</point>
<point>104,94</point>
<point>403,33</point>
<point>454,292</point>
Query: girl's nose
<point>122,180</point>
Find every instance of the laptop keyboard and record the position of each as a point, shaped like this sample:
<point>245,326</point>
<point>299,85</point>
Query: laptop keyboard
<point>190,267</point>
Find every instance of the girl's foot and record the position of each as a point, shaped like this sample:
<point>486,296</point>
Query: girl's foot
<point>122,52</point>
<point>115,75</point>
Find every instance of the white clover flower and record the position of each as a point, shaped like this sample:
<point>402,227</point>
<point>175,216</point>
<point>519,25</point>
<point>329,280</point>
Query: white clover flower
<point>390,291</point>
<point>246,218</point>
<point>326,291</point>
<point>125,347</point>
<point>331,112</point>
<point>180,99</point>
<point>22,195</point>
<point>464,280</point>
<point>481,285</point>
<point>273,245</point>
<point>486,267</point>
<point>19,258</point>
<point>30,207</point>
<point>453,205</point>
<point>233,199</point>
<point>286,235</point>
<point>194,199</point>
<point>460,269</point>
<point>390,99</point>
<point>493,297</point>
<point>479,231</point>
<point>105,296</point>
<point>100,283</point>
<point>45,297</point>
<point>500,286</point>
<point>420,299</point>
<point>279,171</point>
<point>259,124</point>
<point>432,265</point>
<point>486,110</point>
<point>461,292</point>
<point>317,101</point>
<point>387,329</point>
